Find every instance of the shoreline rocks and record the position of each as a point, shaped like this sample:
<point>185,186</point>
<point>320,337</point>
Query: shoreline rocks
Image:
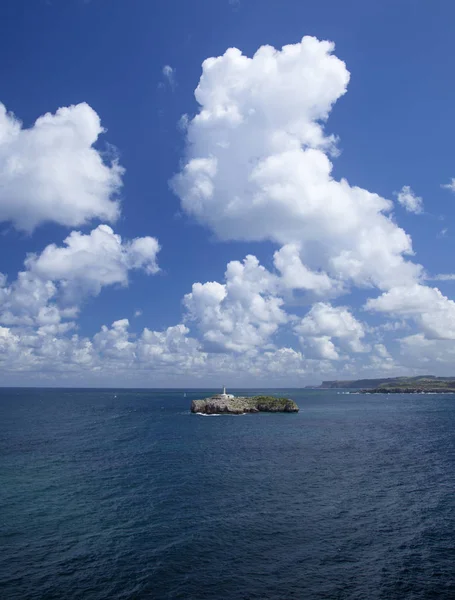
<point>243,405</point>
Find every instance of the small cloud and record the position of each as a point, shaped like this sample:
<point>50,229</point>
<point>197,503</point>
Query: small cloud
<point>182,124</point>
<point>443,232</point>
<point>169,75</point>
<point>138,313</point>
<point>234,3</point>
<point>443,277</point>
<point>449,186</point>
<point>409,201</point>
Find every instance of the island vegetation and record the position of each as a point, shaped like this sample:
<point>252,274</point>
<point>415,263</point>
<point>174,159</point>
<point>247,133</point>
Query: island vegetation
<point>429,384</point>
<point>241,405</point>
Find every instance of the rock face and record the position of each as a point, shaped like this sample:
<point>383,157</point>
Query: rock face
<point>242,405</point>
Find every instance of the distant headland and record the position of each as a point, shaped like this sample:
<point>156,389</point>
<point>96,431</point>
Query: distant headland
<point>228,404</point>
<point>425,384</point>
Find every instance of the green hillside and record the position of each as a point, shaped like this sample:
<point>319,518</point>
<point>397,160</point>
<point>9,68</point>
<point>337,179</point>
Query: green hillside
<point>422,383</point>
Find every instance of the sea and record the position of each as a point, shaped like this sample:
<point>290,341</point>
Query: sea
<point>124,494</point>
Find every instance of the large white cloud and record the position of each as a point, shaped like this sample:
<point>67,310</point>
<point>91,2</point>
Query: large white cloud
<point>257,166</point>
<point>117,356</point>
<point>114,355</point>
<point>52,172</point>
<point>297,276</point>
<point>238,319</point>
<point>240,314</point>
<point>112,352</point>
<point>430,356</point>
<point>87,262</point>
<point>22,301</point>
<point>170,350</point>
<point>323,324</point>
<point>433,312</point>
<point>57,280</point>
<point>114,342</point>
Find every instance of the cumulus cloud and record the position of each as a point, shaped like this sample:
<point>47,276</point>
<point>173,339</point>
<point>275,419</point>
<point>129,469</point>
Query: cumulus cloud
<point>449,186</point>
<point>297,276</point>
<point>116,355</point>
<point>52,172</point>
<point>433,312</point>
<point>64,276</point>
<point>8,341</point>
<point>427,355</point>
<point>113,351</point>
<point>233,326</point>
<point>171,347</point>
<point>114,342</point>
<point>322,347</point>
<point>240,314</point>
<point>381,351</point>
<point>325,322</point>
<point>409,201</point>
<point>22,302</point>
<point>88,262</point>
<point>257,166</point>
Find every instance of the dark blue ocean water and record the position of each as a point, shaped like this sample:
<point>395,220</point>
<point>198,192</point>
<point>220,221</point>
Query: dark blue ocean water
<point>125,495</point>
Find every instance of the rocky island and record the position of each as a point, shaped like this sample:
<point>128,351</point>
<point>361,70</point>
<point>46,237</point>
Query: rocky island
<point>229,404</point>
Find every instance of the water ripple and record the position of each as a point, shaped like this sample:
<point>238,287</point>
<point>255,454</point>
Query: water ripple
<point>125,495</point>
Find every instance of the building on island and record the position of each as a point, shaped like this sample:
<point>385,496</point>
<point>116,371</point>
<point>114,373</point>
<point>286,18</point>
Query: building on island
<point>223,396</point>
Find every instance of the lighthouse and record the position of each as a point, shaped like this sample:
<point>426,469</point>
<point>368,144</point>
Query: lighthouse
<point>224,396</point>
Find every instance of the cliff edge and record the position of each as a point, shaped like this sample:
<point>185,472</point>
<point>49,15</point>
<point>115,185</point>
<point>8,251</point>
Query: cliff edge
<point>241,405</point>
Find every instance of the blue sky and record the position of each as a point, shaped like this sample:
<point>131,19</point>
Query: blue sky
<point>128,210</point>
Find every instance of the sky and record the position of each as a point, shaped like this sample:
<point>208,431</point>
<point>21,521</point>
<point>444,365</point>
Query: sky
<point>243,192</point>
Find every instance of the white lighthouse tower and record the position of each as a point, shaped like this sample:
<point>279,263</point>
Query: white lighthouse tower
<point>225,396</point>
